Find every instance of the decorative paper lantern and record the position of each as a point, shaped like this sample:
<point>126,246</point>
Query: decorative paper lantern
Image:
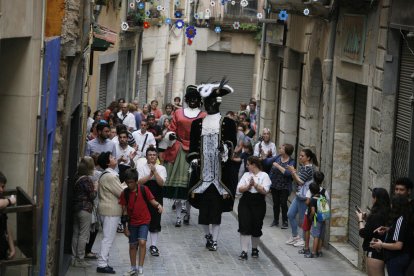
<point>191,31</point>
<point>217,29</point>
<point>179,24</point>
<point>283,15</point>
<point>236,25</point>
<point>124,26</point>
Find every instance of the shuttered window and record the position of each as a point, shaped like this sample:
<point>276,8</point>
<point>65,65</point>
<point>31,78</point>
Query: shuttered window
<point>403,112</point>
<point>103,87</point>
<point>357,163</point>
<point>143,84</point>
<point>169,88</point>
<point>237,68</point>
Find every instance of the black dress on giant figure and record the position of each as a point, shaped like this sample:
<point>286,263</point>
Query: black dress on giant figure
<point>212,141</point>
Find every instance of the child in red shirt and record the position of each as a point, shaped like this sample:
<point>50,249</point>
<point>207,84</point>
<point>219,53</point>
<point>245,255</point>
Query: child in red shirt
<point>136,217</point>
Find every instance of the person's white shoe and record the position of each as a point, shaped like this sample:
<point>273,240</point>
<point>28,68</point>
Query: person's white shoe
<point>292,240</point>
<point>299,243</point>
<point>131,272</point>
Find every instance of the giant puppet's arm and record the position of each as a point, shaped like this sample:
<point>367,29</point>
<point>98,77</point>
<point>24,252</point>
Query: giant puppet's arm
<point>229,140</point>
<point>193,155</point>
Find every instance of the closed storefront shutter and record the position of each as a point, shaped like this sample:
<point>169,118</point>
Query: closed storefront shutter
<point>238,70</point>
<point>143,84</point>
<point>358,141</point>
<point>103,87</point>
<point>403,113</point>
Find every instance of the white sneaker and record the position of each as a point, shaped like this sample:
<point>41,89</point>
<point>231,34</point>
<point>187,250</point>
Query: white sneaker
<point>130,273</point>
<point>140,271</point>
<point>292,240</point>
<point>299,243</point>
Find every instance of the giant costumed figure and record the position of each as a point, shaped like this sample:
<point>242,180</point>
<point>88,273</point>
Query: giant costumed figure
<point>212,142</point>
<point>176,186</point>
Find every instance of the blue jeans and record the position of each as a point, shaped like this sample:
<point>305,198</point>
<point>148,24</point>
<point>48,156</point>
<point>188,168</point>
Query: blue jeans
<point>297,206</point>
<point>396,266</point>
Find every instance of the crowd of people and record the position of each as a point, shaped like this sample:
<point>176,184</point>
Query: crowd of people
<point>135,157</point>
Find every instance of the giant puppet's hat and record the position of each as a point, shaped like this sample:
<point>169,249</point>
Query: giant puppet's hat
<point>215,89</point>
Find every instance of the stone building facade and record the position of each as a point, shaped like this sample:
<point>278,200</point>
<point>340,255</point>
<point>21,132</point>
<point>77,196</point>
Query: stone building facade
<point>334,86</point>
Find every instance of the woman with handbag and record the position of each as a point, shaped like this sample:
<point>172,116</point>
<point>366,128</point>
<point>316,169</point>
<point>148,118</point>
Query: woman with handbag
<point>254,184</point>
<point>302,177</point>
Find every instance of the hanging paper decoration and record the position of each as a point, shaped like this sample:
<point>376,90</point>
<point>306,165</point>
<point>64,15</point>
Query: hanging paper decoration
<point>259,15</point>
<point>124,26</point>
<point>233,2</point>
<point>217,29</point>
<point>306,11</point>
<point>137,1</point>
<point>208,11</point>
<point>177,2</point>
<point>283,15</point>
<point>141,6</point>
<point>236,25</point>
<point>190,32</point>
<point>160,8</point>
<point>244,3</point>
<point>148,13</point>
<point>212,3</point>
<point>132,5</point>
<point>189,41</point>
<point>190,1</point>
<point>178,14</point>
<point>179,24</point>
<point>168,21</point>
<point>146,25</point>
<point>196,15</point>
<point>223,2</point>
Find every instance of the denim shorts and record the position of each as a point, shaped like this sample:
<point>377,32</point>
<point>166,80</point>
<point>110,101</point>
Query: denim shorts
<point>137,233</point>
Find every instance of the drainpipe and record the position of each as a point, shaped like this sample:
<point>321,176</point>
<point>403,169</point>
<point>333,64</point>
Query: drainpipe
<point>330,97</point>
<point>39,103</point>
<point>262,61</point>
<point>328,64</point>
<point>37,154</point>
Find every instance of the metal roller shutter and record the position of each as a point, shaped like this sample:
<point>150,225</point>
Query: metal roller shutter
<point>103,84</point>
<point>403,112</point>
<point>358,140</point>
<point>143,84</point>
<point>237,68</point>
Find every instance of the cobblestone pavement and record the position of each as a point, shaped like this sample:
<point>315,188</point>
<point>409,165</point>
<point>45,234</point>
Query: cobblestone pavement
<point>183,252</point>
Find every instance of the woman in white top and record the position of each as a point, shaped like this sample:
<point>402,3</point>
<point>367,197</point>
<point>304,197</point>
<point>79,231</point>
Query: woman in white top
<point>252,206</point>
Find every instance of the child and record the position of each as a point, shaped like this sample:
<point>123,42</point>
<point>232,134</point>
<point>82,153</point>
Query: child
<point>136,218</point>
<point>318,178</point>
<point>318,227</point>
<point>7,250</point>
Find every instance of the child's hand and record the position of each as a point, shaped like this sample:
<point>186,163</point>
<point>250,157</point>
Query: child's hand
<point>126,232</point>
<point>160,209</point>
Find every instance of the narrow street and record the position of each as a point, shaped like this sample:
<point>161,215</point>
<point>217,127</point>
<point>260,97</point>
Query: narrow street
<point>183,252</point>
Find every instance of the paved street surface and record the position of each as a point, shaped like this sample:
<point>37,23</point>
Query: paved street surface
<point>183,252</point>
<point>292,263</point>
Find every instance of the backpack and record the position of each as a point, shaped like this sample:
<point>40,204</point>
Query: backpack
<point>127,191</point>
<point>323,211</point>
